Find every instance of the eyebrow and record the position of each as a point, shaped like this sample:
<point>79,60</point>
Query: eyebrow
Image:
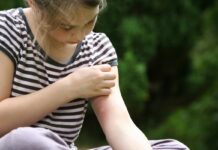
<point>73,26</point>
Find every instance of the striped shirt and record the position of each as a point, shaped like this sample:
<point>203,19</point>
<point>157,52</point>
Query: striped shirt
<point>34,70</point>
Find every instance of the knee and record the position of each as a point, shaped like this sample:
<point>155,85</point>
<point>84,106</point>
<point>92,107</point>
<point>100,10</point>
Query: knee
<point>26,138</point>
<point>179,144</point>
<point>168,144</point>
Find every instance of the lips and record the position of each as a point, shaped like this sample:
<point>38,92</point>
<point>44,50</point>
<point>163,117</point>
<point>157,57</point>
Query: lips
<point>73,42</point>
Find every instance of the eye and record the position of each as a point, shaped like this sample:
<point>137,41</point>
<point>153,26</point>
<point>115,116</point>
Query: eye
<point>66,27</point>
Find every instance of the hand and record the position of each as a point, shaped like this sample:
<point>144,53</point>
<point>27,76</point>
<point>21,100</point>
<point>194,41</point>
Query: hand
<point>88,82</point>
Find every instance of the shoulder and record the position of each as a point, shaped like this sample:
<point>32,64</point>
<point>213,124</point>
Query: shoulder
<point>96,37</point>
<point>11,28</point>
<point>98,40</point>
<point>11,20</point>
<point>102,49</point>
<point>9,15</point>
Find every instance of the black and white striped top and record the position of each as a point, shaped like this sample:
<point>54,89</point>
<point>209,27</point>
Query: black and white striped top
<point>34,70</point>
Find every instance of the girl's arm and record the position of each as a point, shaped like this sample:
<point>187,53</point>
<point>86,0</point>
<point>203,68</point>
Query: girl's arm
<point>28,109</point>
<point>120,131</point>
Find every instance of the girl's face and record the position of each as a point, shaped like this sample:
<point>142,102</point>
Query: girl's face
<point>73,32</point>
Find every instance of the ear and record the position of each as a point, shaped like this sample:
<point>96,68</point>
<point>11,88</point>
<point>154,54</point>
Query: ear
<point>30,3</point>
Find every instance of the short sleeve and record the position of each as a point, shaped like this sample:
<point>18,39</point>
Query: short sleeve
<point>104,51</point>
<point>9,43</point>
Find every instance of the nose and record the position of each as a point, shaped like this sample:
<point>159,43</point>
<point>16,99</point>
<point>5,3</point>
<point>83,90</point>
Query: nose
<point>79,35</point>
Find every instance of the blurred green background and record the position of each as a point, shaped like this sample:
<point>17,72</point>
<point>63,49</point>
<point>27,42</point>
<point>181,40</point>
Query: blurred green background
<point>168,62</point>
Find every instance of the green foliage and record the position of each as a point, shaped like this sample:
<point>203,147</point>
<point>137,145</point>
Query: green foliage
<point>175,20</point>
<point>133,82</point>
<point>11,4</point>
<point>204,56</point>
<point>195,125</point>
<point>161,35</point>
<point>205,65</point>
<point>130,28</point>
<point>138,35</point>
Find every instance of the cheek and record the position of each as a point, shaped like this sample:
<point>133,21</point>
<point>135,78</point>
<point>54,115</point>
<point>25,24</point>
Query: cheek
<point>89,29</point>
<point>58,35</point>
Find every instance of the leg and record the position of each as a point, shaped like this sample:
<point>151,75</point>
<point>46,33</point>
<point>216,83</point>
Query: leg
<point>165,144</point>
<point>28,138</point>
<point>102,148</point>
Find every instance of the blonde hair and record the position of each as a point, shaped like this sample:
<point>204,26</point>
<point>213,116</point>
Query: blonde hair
<point>52,10</point>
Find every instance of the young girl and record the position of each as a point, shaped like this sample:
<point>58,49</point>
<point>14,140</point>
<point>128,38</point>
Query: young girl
<point>51,65</point>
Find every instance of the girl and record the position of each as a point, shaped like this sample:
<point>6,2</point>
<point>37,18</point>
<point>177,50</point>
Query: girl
<point>51,64</point>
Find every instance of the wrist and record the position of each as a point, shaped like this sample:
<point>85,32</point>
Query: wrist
<point>66,90</point>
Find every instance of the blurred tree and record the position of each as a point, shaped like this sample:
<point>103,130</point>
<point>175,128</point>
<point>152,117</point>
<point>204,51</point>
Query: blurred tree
<point>161,35</point>
<point>178,24</point>
<point>11,4</point>
<point>196,125</point>
<point>130,70</point>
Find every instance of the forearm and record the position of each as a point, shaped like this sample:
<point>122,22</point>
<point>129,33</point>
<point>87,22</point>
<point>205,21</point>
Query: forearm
<point>120,131</point>
<point>126,136</point>
<point>28,109</point>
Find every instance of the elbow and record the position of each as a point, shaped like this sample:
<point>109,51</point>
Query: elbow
<point>116,118</point>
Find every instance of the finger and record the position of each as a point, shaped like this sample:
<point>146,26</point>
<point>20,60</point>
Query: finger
<point>105,91</point>
<point>109,76</point>
<point>104,67</point>
<point>108,84</point>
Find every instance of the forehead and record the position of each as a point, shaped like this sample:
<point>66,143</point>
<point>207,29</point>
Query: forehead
<point>79,15</point>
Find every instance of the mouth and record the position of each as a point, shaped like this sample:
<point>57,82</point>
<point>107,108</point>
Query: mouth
<point>74,42</point>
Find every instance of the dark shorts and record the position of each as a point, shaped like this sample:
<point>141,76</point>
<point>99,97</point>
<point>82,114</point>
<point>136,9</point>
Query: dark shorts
<point>27,138</point>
